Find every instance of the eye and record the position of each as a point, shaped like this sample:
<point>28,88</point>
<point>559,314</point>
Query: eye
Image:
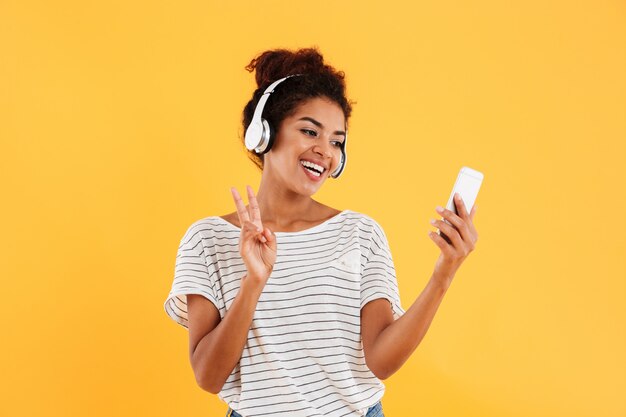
<point>309,132</point>
<point>338,143</point>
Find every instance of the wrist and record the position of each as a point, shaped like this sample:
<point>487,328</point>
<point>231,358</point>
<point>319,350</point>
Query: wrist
<point>251,286</point>
<point>441,282</point>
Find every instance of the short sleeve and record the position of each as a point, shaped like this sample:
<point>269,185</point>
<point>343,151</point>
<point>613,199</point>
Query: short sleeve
<point>192,275</point>
<point>378,279</point>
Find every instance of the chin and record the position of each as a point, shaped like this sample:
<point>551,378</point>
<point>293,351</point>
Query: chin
<point>310,189</point>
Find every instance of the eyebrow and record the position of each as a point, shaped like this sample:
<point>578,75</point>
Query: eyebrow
<point>318,124</point>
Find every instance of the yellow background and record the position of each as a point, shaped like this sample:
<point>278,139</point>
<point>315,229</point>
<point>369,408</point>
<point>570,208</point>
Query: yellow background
<point>120,125</point>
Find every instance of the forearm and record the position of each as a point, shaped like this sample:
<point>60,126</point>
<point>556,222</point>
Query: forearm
<point>394,345</point>
<point>219,351</point>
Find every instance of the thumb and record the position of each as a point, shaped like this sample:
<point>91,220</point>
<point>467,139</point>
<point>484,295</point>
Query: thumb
<point>269,235</point>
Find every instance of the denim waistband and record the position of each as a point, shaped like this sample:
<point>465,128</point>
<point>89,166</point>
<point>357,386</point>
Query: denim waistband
<point>374,411</point>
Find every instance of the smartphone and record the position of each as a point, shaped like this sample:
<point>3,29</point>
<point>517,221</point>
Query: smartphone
<point>467,184</point>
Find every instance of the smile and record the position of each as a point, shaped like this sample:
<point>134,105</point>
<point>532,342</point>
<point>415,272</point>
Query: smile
<point>311,172</point>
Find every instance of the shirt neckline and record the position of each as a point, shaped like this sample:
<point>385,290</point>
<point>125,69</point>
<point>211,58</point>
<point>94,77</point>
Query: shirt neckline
<point>310,229</point>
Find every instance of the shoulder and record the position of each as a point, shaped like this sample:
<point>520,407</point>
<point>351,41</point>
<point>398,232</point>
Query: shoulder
<point>231,218</point>
<point>370,228</point>
<point>362,218</point>
<point>206,228</point>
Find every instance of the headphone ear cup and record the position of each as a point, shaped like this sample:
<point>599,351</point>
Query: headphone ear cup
<point>272,136</point>
<point>342,164</point>
<point>254,135</point>
<point>267,137</point>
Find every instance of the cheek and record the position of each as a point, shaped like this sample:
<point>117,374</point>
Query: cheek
<point>337,157</point>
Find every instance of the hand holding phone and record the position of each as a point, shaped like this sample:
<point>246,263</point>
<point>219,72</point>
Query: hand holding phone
<point>467,184</point>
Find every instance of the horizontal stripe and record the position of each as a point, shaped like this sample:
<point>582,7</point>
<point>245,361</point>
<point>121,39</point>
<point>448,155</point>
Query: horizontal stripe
<point>303,354</point>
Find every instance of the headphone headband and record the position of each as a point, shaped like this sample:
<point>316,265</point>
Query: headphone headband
<point>266,94</point>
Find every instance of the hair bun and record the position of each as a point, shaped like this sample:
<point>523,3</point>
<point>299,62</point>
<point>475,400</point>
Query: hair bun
<point>275,64</point>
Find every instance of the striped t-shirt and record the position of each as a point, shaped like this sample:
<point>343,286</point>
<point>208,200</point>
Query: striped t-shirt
<point>304,355</point>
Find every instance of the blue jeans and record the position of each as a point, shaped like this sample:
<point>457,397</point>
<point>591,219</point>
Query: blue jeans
<point>374,411</point>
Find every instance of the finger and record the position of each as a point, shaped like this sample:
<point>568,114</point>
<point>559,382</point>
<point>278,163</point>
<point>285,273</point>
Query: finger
<point>250,227</point>
<point>450,216</point>
<point>259,233</point>
<point>271,239</point>
<point>450,231</point>
<point>241,207</point>
<point>255,212</point>
<point>253,232</point>
<point>460,206</point>
<point>467,218</point>
<point>473,213</point>
<point>458,223</point>
<point>445,237</point>
<point>440,241</point>
<point>247,240</point>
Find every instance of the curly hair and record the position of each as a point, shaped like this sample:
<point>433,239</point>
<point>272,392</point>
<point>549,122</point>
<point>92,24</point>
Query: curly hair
<point>318,80</point>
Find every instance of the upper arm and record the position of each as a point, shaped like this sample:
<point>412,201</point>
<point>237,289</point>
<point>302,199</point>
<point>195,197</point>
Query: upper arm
<point>203,318</point>
<point>376,315</point>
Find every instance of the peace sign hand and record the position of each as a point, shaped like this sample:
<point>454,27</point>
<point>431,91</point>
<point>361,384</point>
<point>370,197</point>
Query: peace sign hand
<point>257,245</point>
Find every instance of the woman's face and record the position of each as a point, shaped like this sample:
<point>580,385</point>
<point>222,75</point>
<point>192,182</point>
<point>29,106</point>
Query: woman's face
<point>314,133</point>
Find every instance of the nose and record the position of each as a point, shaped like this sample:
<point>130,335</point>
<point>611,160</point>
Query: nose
<point>324,150</point>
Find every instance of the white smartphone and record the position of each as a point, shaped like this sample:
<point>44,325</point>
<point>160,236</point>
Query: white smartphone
<point>467,184</point>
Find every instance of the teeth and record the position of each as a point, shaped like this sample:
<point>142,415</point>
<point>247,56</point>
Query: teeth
<point>317,174</point>
<point>312,165</point>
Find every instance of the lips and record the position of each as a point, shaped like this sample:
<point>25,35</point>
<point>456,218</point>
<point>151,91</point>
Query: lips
<point>320,163</point>
<point>311,176</point>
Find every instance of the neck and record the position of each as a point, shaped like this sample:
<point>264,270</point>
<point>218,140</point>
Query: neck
<point>280,206</point>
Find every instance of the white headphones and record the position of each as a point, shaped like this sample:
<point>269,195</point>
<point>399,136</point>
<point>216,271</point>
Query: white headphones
<point>260,134</point>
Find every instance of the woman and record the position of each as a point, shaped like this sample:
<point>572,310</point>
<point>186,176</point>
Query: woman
<point>292,306</point>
